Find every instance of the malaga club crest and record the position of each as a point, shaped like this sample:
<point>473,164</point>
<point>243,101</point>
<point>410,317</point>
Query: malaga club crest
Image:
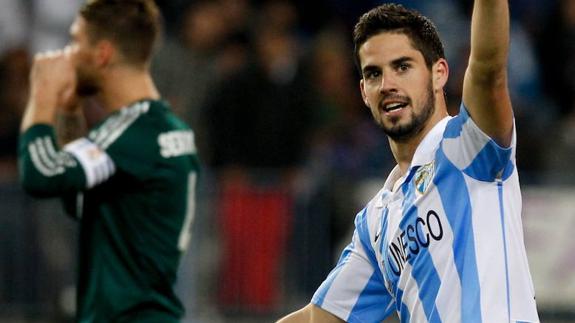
<point>423,178</point>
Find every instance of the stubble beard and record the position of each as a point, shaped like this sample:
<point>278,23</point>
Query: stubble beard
<point>404,132</point>
<point>86,84</point>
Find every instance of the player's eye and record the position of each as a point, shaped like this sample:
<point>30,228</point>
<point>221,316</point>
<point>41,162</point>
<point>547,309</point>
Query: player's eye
<point>403,67</point>
<point>372,74</point>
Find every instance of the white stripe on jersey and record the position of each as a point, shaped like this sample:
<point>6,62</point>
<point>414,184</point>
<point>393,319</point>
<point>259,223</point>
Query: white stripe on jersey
<point>109,125</point>
<point>344,301</point>
<point>50,148</point>
<point>411,297</point>
<point>449,310</point>
<point>113,128</point>
<point>40,159</point>
<point>521,308</point>
<point>60,157</point>
<point>46,159</point>
<point>462,150</point>
<point>490,260</point>
<point>97,165</point>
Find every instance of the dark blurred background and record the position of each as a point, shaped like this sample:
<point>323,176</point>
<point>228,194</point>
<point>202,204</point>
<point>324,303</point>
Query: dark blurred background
<point>289,152</point>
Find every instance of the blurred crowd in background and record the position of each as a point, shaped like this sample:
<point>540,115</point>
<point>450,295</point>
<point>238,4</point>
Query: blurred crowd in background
<point>289,152</point>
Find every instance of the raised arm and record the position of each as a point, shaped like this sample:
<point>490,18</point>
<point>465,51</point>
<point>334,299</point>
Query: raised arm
<point>45,168</point>
<point>52,85</point>
<point>485,92</point>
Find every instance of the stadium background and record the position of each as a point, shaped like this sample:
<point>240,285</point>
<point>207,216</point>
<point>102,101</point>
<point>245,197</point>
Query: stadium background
<point>289,153</point>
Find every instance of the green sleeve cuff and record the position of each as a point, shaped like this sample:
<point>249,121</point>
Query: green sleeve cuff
<point>34,132</point>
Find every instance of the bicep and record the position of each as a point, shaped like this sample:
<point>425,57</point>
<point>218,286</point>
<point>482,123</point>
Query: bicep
<point>486,96</point>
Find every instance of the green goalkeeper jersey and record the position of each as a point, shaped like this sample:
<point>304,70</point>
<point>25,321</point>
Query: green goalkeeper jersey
<point>132,180</point>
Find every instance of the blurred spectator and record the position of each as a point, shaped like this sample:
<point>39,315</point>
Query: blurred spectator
<point>172,14</point>
<point>14,67</point>
<point>557,51</point>
<point>207,44</point>
<point>557,61</point>
<point>203,51</point>
<point>346,149</point>
<point>13,25</point>
<point>258,121</point>
<point>529,99</point>
<point>262,108</point>
<point>50,20</point>
<point>455,31</point>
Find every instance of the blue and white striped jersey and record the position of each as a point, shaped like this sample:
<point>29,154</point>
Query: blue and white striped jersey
<point>444,243</point>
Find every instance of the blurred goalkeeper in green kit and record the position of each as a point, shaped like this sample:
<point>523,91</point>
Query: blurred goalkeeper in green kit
<point>129,180</point>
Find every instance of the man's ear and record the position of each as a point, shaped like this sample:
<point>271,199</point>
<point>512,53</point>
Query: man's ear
<point>363,94</point>
<point>105,53</point>
<point>440,71</point>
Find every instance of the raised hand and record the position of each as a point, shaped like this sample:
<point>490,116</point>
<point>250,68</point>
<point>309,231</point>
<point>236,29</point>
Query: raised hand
<point>53,79</point>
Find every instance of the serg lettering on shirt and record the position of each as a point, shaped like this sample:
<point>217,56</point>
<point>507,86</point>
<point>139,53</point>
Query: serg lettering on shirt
<point>177,143</point>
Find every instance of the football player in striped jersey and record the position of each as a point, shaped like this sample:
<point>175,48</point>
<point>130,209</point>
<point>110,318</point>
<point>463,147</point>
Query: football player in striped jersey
<point>442,241</point>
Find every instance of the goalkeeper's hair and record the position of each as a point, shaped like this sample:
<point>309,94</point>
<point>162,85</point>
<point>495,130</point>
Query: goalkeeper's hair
<point>133,26</point>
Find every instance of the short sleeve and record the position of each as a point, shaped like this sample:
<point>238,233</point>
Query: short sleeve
<point>472,151</point>
<point>354,290</point>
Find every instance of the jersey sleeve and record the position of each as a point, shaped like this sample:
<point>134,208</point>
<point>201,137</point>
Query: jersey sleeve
<point>473,152</point>
<point>354,290</point>
<point>135,151</point>
<point>47,171</point>
<point>142,142</point>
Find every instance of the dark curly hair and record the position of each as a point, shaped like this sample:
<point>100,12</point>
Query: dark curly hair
<point>395,18</point>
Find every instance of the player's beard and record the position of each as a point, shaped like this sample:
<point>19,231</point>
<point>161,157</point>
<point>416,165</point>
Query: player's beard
<point>404,132</point>
<point>87,84</point>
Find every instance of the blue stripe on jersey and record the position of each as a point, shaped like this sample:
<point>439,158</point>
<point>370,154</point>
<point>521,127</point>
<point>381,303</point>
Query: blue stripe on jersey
<point>404,316</point>
<point>319,296</point>
<point>370,304</point>
<point>363,233</point>
<point>502,216</point>
<point>455,200</point>
<point>422,271</point>
<point>489,162</point>
<point>428,282</point>
<point>382,245</point>
<point>384,221</point>
<point>374,292</point>
<point>509,168</point>
<point>455,125</point>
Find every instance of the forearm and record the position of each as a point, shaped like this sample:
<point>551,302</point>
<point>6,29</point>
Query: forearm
<point>39,110</point>
<point>490,34</point>
<point>44,169</point>
<point>485,92</point>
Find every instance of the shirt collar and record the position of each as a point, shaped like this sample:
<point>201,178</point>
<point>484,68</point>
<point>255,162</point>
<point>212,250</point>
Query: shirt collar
<point>424,154</point>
